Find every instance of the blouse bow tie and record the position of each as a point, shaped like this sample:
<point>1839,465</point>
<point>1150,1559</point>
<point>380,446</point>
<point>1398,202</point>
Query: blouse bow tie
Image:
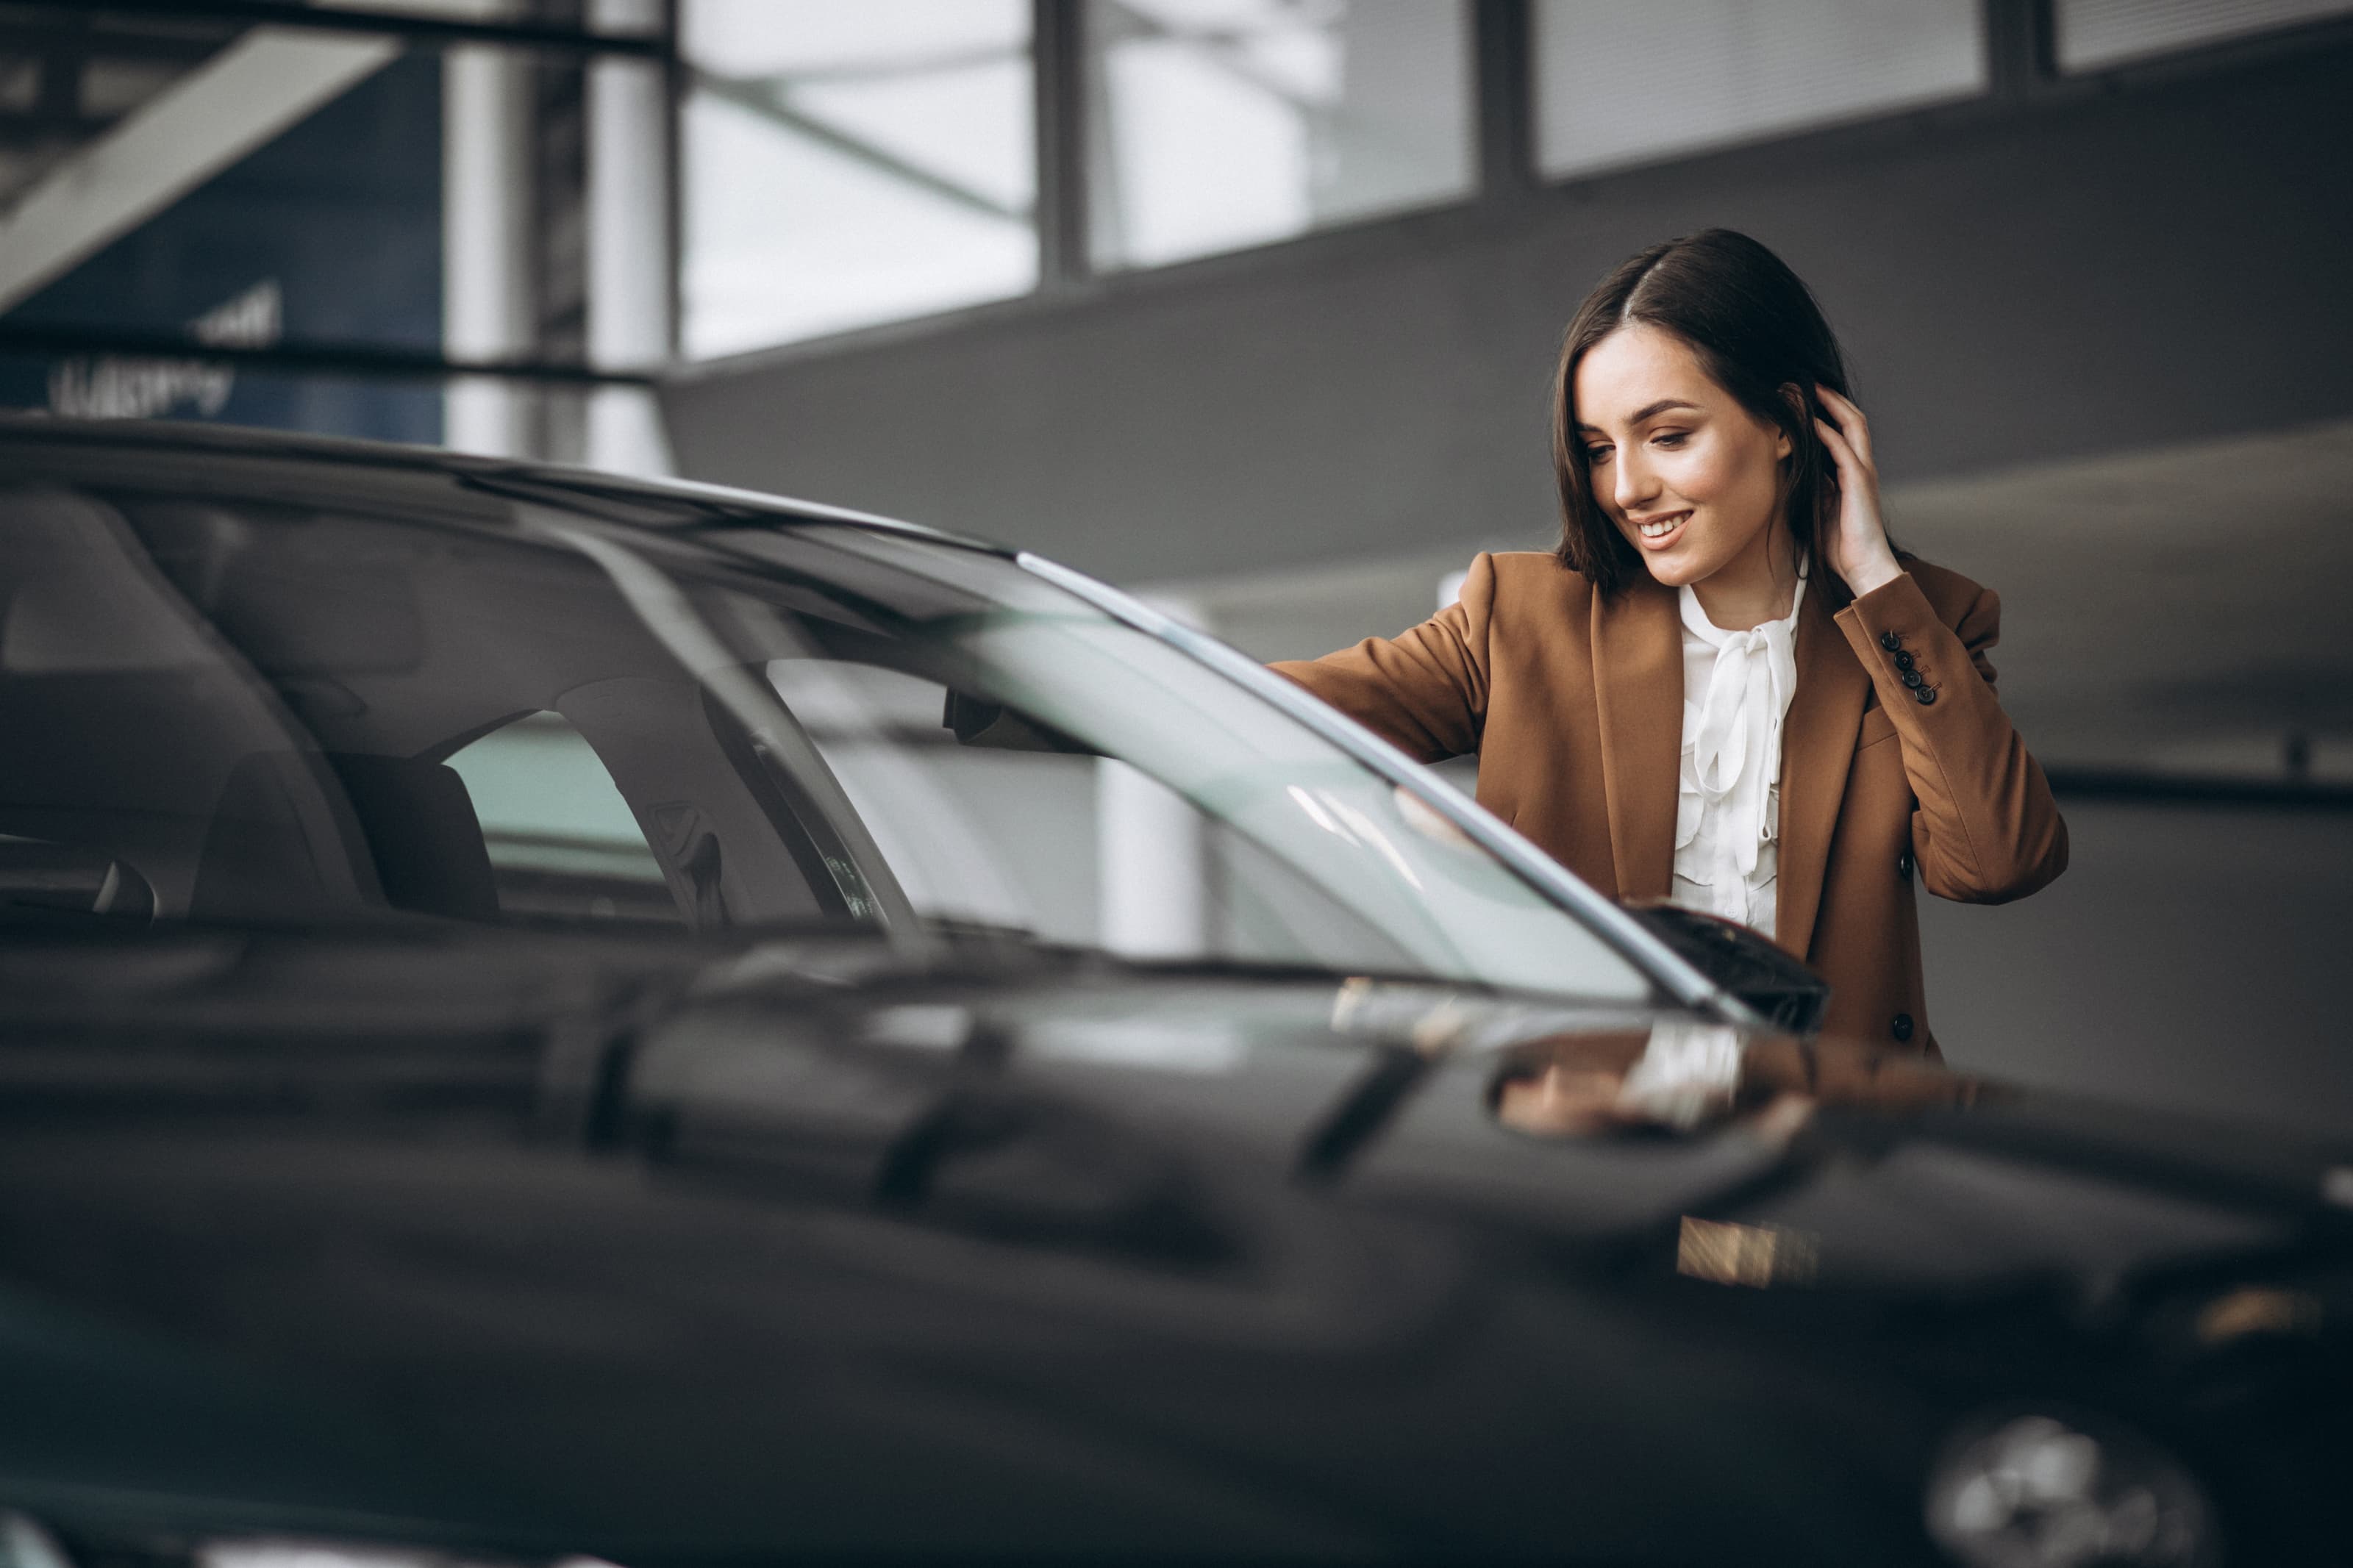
<point>1731,753</point>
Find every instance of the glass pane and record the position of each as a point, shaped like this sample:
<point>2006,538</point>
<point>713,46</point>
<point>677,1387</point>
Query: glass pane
<point>1622,84</point>
<point>562,841</point>
<point>2095,33</point>
<point>849,164</point>
<point>1223,123</point>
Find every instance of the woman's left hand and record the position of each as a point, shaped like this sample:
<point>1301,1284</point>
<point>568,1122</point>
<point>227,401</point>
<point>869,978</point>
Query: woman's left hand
<point>1859,550</point>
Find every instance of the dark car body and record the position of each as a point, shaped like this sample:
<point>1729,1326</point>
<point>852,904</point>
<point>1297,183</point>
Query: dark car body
<point>550,1231</point>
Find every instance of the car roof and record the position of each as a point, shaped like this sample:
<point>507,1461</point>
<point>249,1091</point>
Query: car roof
<point>593,488</point>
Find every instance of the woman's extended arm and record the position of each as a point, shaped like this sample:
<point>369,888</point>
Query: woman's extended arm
<point>1425,690</point>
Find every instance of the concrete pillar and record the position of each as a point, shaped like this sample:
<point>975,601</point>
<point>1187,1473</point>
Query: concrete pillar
<point>1151,865</point>
<point>1152,855</point>
<point>629,243</point>
<point>487,298</point>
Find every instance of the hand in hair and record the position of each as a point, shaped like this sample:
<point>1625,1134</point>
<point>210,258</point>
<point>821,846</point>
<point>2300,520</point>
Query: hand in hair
<point>1858,547</point>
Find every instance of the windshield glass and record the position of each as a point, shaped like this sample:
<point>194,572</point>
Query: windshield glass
<point>254,705</point>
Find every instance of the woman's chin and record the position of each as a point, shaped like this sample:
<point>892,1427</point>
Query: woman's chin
<point>1674,568</point>
<point>1684,560</point>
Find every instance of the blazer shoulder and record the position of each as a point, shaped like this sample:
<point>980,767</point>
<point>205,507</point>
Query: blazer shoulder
<point>1537,582</point>
<point>1949,594</point>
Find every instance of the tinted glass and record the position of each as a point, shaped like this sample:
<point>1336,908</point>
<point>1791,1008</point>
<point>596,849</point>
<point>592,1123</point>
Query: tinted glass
<point>262,706</point>
<point>1622,84</point>
<point>1221,124</point>
<point>846,165</point>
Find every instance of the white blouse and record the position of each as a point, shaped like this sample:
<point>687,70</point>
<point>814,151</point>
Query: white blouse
<point>1736,691</point>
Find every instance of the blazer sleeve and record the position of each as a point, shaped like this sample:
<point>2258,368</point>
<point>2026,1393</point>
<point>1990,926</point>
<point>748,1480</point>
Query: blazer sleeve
<point>1984,828</point>
<point>1424,690</point>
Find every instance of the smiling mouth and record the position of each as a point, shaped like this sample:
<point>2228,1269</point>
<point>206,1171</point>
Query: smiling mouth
<point>1658,531</point>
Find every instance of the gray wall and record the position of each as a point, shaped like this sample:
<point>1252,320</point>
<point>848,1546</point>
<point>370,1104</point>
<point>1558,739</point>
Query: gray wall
<point>2187,958</point>
<point>2081,271</point>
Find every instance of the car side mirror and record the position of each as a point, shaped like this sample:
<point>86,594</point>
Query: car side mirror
<point>1744,962</point>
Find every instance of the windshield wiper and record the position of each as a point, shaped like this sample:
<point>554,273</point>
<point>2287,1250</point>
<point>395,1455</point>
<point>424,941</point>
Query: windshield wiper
<point>1363,1112</point>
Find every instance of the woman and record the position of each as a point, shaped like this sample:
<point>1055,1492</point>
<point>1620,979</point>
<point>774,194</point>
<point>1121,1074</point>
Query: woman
<point>1727,686</point>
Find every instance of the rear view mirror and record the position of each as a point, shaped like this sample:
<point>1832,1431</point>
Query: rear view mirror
<point>995,727</point>
<point>1744,962</point>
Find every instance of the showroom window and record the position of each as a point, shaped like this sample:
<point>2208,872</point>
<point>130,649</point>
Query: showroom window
<point>1217,124</point>
<point>1618,84</point>
<point>2093,34</point>
<point>847,164</point>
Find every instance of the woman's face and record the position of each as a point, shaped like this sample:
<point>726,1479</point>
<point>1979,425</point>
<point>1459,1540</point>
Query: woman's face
<point>1690,476</point>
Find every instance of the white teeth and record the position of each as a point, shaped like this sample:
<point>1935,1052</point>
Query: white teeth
<point>1662,528</point>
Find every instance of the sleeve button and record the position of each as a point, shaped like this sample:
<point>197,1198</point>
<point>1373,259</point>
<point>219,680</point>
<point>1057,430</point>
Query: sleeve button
<point>1926,694</point>
<point>1912,678</point>
<point>1900,1026</point>
<point>1890,641</point>
<point>1903,661</point>
<point>1903,865</point>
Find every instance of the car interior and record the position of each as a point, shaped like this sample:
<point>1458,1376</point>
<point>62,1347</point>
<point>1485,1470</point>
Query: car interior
<point>267,694</point>
<point>250,712</point>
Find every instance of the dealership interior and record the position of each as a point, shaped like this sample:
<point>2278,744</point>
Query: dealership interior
<point>1251,307</point>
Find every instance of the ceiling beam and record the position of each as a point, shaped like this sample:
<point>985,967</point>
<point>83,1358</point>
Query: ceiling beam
<point>101,43</point>
<point>389,19</point>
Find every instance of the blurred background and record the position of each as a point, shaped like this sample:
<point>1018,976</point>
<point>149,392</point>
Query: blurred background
<point>1253,304</point>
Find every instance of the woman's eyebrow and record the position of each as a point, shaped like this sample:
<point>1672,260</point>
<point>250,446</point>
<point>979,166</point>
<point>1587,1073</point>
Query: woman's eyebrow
<point>1649,410</point>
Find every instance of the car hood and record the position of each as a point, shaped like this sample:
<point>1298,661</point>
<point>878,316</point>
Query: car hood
<point>806,1250</point>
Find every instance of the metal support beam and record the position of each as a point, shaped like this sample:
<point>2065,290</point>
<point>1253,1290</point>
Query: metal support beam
<point>673,176</point>
<point>630,292</point>
<point>402,25</point>
<point>2019,46</point>
<point>1057,44</point>
<point>103,42</point>
<point>487,298</point>
<point>364,362</point>
<point>1506,97</point>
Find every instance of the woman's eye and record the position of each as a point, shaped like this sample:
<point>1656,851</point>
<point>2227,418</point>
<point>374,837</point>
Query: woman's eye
<point>1673,437</point>
<point>1597,453</point>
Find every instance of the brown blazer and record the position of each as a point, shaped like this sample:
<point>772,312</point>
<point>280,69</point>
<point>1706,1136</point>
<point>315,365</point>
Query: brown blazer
<point>1575,707</point>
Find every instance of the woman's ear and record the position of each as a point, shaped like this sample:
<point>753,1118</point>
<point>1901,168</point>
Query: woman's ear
<point>1796,399</point>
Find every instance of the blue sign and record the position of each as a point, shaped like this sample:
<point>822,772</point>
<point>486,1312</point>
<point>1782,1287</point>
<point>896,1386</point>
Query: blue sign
<point>331,233</point>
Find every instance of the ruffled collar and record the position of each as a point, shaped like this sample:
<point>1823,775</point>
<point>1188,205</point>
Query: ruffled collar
<point>1733,742</point>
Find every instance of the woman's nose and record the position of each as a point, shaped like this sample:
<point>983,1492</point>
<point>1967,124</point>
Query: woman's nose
<point>1635,484</point>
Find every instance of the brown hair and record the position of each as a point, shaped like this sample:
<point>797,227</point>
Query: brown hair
<point>1759,335</point>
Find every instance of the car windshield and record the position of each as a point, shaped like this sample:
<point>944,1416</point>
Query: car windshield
<point>273,695</point>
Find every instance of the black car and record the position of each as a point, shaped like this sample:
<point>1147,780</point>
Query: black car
<point>548,1016</point>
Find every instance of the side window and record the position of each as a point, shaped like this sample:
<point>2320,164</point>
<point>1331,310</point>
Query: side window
<point>564,845</point>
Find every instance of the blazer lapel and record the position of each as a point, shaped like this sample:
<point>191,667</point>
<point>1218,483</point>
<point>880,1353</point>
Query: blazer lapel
<point>1639,661</point>
<point>1817,751</point>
